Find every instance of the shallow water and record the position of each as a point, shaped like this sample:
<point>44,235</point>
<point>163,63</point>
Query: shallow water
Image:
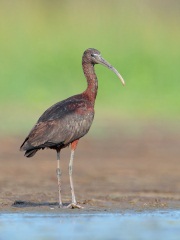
<point>131,225</point>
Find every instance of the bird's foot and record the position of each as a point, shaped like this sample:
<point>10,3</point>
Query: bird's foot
<point>74,205</point>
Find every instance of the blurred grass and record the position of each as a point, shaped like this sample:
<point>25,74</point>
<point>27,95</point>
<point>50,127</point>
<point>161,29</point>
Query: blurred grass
<point>41,45</point>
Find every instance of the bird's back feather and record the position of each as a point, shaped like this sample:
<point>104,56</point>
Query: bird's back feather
<point>60,125</point>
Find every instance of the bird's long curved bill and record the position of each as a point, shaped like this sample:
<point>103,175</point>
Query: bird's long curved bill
<point>108,65</point>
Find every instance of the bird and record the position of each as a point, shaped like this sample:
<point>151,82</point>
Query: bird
<point>65,122</point>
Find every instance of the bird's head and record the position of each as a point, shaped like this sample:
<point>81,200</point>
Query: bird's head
<point>93,56</point>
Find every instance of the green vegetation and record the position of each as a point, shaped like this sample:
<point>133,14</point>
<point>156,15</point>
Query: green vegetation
<point>42,42</point>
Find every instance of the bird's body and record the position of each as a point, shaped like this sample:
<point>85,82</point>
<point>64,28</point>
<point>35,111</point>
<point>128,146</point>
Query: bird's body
<point>67,121</point>
<point>60,125</point>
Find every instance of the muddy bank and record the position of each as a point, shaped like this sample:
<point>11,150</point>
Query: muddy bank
<point>115,173</point>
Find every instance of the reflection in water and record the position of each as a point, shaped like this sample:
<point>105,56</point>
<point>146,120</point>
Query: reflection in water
<point>132,225</point>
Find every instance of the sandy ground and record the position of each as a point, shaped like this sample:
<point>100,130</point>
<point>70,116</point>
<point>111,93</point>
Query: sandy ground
<point>114,173</point>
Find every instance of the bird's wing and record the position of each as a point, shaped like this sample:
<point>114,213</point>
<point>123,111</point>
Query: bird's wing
<point>61,124</point>
<point>39,135</point>
<point>63,108</point>
<point>63,131</point>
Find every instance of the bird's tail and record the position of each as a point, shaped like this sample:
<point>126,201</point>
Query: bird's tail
<point>30,152</point>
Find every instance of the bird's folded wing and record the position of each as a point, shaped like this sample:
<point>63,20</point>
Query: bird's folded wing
<point>59,131</point>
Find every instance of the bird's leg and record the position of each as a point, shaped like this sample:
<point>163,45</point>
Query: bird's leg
<point>74,203</point>
<point>58,172</point>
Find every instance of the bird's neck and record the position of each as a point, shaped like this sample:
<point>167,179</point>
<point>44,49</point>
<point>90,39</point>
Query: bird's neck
<point>92,82</point>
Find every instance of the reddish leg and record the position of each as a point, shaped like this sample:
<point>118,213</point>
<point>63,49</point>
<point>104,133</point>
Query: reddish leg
<point>74,203</point>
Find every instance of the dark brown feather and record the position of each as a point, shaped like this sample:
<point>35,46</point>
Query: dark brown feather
<point>60,125</point>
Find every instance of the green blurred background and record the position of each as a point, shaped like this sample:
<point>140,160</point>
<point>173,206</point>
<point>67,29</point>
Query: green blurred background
<point>42,42</point>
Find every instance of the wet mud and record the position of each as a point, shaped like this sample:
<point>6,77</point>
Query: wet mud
<point>111,174</point>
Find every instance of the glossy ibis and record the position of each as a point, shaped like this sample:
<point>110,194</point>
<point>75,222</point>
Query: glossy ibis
<point>67,121</point>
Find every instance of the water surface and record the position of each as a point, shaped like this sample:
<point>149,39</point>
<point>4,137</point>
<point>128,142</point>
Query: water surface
<point>131,225</point>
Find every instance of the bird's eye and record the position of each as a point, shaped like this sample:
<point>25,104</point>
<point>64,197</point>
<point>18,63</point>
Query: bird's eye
<point>92,55</point>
